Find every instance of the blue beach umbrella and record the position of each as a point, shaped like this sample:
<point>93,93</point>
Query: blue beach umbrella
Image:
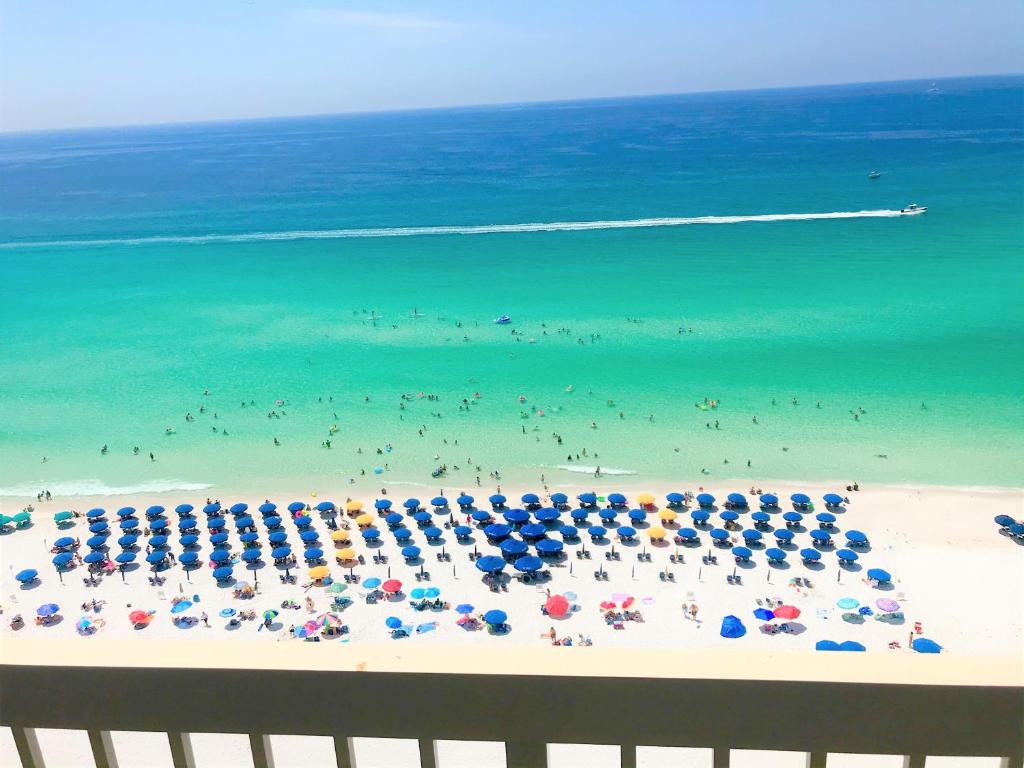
<point>158,541</point>
<point>213,523</point>
<point>826,645</point>
<point>742,552</point>
<point>27,576</point>
<point>587,498</point>
<point>737,499</point>
<point>783,535</point>
<point>64,541</point>
<point>847,554</point>
<point>313,553</point>
<point>517,516</point>
<point>763,614</point>
<point>311,535</point>
<point>851,645</point>
<point>528,564</point>
<point>382,504</point>
<point>810,554</point>
<point>547,515</point>
<point>732,627</point>
<point>371,534</point>
<point>705,499</point>
<point>533,531</point>
<point>158,525</point>
<point>597,531</point>
<point>221,538</point>
<point>181,606</point>
<point>372,583</point>
<point>439,501</point>
<point>418,594</point>
<point>800,498</point>
<point>497,500</point>
<point>462,531</point>
<point>296,506</point>
<point>95,514</point>
<point>617,499</point>
<point>187,524</point>
<point>244,522</point>
<point>480,515</point>
<point>156,557</point>
<point>223,574</point>
<point>48,609</point>
<point>212,508</point>
<point>686,533</point>
<point>155,511</point>
<point>62,559</point>
<point>559,498</point>
<point>760,517</point>
<point>432,592</point>
<point>820,536</point>
<point>124,558</point>
<point>464,608</point>
<point>325,506</point>
<point>189,539</point>
<point>99,527</point>
<point>272,521</point>
<point>185,558</point>
<point>402,534</point>
<point>637,515</point>
<point>126,512</point>
<point>411,504</point>
<point>608,513</point>
<point>549,546</point>
<point>128,540</point>
<point>1004,521</point>
<point>774,553</point>
<point>422,517</point>
<point>490,564</point>
<point>464,501</point>
<point>879,575</point>
<point>832,499</point>
<point>924,645</point>
<point>700,515</point>
<point>220,555</point>
<point>769,499</point>
<point>393,518</point>
<point>792,517</point>
<point>184,509</point>
<point>94,557</point>
<point>100,540</point>
<point>497,531</point>
<point>626,532</point>
<point>856,537</point>
<point>432,533</point>
<point>719,534</point>
<point>410,552</point>
<point>267,508</point>
<point>530,498</point>
<point>825,517</point>
<point>495,616</point>
<point>674,498</point>
<point>569,532</point>
<point>751,535</point>
<point>578,514</point>
<point>251,555</point>
<point>279,553</point>
<point>513,547</point>
<point>728,515</point>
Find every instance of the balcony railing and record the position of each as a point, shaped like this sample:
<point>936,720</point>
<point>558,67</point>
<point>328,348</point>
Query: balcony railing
<point>896,704</point>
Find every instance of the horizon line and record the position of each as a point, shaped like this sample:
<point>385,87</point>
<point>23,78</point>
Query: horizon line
<point>491,105</point>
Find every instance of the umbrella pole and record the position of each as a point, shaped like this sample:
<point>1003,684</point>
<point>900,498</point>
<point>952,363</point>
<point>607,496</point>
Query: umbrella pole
<point>700,572</point>
<point>838,575</point>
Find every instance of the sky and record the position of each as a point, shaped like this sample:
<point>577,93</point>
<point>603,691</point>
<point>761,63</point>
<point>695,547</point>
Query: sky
<point>68,63</point>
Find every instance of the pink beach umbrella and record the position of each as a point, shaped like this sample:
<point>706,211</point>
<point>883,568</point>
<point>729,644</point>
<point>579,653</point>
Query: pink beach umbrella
<point>888,605</point>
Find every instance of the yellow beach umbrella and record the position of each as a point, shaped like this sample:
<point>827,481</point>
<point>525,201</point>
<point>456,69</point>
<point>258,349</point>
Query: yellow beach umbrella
<point>643,499</point>
<point>320,572</point>
<point>364,520</point>
<point>346,554</point>
<point>667,515</point>
<point>339,535</point>
<point>353,506</point>
<point>656,533</point>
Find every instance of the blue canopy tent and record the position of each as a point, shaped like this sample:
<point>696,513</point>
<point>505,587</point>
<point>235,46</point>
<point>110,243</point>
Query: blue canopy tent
<point>546,515</point>
<point>597,531</point>
<point>810,555</point>
<point>737,499</point>
<point>742,553</point>
<point>924,645</point>
<point>879,575</point>
<point>775,554</point>
<point>490,564</point>
<point>528,564</point>
<point>549,546</point>
<point>705,499</point>
<point>497,531</point>
<point>517,516</point>
<point>410,552</point>
<point>832,499</point>
<point>514,547</point>
<point>402,534</point>
<point>769,500</point>
<point>732,627</point>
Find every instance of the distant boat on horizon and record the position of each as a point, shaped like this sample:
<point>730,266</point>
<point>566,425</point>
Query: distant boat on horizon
<point>873,174</point>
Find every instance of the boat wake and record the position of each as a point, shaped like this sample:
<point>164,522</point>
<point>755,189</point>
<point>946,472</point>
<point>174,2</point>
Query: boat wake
<point>477,229</point>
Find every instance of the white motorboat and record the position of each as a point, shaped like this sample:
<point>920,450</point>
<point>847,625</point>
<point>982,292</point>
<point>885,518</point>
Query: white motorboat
<point>913,209</point>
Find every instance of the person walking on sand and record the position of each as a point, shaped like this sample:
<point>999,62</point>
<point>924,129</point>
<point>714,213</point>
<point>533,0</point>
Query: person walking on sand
<point>686,612</point>
<point>205,619</point>
<point>693,611</point>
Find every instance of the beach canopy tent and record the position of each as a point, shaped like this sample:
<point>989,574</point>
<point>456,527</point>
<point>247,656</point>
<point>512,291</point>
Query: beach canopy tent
<point>783,535</point>
<point>432,533</point>
<point>775,554</point>
<point>846,554</point>
<point>533,531</point>
<point>821,536</point>
<point>62,559</point>
<point>514,547</point>
<point>517,516</point>
<point>27,576</point>
<point>465,500</point>
<point>737,499</point>
<point>760,517</point>
<point>732,627</point>
<point>370,534</point>
<point>439,501</point>
<point>810,554</point>
<point>719,534</point>
<point>728,515</point>
<point>706,500</point>
<point>480,516</point>
<point>617,499</point>
<point>625,532</point>
<point>578,514</point>
<point>267,508</point>
<point>393,518</point>
<point>530,498</point>
<point>96,513</point>
<point>607,513</point>
<point>742,553</point>
<point>497,531</point>
<point>239,508</point>
<point>587,498</point>
<point>751,535</point>
<point>700,515</point>
<point>924,645</point>
<point>490,564</point>
<point>212,508</point>
<point>125,557</point>
<point>637,515</point>
<point>402,534</point>
<point>546,515</point>
<point>1004,520</point>
<point>769,499</point>
<point>569,531</point>
<point>528,564</point>
<point>549,546</point>
<point>675,498</point>
<point>597,531</point>
<point>832,499</point>
<point>462,531</point>
<point>188,557</point>
<point>879,575</point>
<point>825,517</point>
<point>279,553</point>
<point>763,614</point>
<point>494,617</point>
<point>313,553</point>
<point>497,500</point>
<point>410,552</point>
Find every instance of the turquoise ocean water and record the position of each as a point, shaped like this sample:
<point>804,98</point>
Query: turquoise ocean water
<point>122,300</point>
